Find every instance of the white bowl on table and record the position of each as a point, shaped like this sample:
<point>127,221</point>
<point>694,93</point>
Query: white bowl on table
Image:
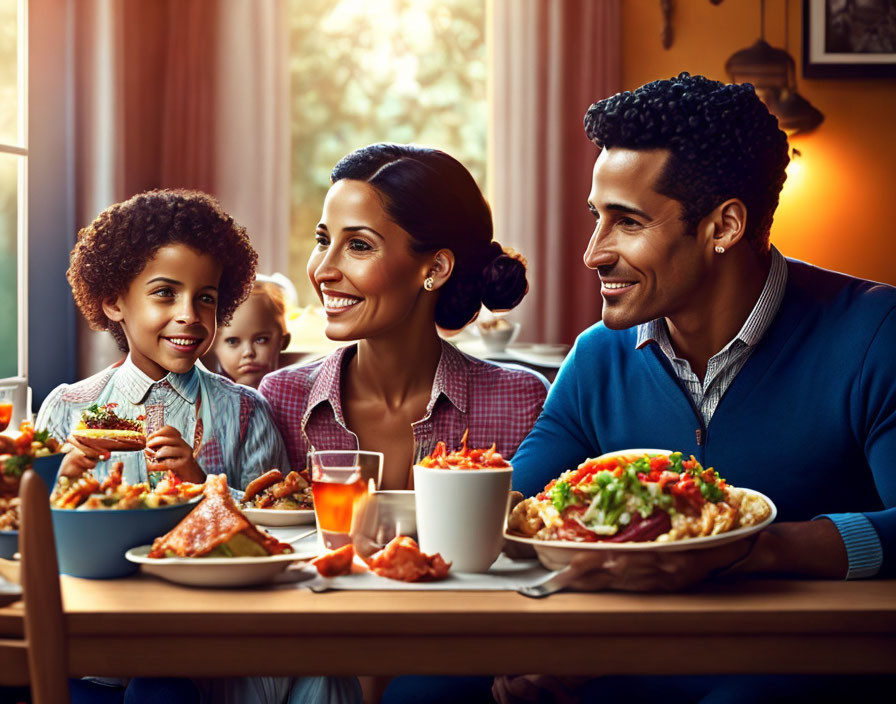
<point>498,334</point>
<point>381,516</point>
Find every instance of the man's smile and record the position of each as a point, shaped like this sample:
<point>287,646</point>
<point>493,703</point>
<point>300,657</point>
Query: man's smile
<point>615,288</point>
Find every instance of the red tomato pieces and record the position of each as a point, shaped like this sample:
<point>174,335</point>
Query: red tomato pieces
<point>464,458</point>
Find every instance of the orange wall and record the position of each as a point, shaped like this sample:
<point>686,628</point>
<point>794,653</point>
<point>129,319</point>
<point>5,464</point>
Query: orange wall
<point>837,206</point>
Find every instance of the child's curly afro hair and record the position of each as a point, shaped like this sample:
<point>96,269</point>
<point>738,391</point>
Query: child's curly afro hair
<point>115,248</point>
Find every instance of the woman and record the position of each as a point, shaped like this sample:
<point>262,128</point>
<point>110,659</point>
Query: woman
<point>404,246</point>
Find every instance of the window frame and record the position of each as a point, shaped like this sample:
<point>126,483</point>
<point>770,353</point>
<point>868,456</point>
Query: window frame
<point>20,150</point>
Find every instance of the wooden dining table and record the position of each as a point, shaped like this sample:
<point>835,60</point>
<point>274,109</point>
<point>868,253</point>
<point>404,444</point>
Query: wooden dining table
<point>144,626</point>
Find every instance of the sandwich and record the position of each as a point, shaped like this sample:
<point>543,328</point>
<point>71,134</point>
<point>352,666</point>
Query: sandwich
<point>101,428</point>
<point>216,528</point>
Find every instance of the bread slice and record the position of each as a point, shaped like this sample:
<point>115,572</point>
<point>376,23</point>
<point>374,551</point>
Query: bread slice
<point>216,528</point>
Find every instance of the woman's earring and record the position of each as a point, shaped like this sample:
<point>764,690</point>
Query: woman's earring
<point>428,283</point>
<point>719,249</point>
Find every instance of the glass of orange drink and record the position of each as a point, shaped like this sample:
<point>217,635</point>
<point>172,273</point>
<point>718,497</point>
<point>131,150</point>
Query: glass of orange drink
<point>339,478</point>
<point>7,394</point>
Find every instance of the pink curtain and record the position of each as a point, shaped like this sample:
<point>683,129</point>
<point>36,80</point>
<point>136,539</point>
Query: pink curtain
<point>550,61</point>
<point>182,94</point>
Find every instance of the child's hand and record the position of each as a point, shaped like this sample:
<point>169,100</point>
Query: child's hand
<point>166,449</point>
<point>81,457</point>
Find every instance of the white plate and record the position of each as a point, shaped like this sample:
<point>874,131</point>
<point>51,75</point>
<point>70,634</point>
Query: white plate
<point>540,355</point>
<point>556,554</point>
<point>218,571</point>
<point>549,349</point>
<point>278,516</point>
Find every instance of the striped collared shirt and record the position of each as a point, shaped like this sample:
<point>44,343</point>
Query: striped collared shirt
<point>228,425</point>
<point>724,366</point>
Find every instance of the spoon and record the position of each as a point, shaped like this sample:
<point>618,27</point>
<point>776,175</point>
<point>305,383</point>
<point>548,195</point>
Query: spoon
<point>301,537</point>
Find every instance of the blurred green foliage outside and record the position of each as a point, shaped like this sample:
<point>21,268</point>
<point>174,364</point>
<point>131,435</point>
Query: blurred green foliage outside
<point>409,71</point>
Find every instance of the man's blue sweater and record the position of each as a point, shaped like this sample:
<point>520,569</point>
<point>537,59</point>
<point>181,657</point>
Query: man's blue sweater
<point>810,420</point>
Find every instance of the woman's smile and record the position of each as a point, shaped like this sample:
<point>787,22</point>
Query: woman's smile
<point>335,303</point>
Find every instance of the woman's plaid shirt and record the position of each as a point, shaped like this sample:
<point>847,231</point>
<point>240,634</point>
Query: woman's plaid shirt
<point>498,403</point>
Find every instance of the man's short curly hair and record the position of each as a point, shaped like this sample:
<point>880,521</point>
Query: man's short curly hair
<point>115,248</point>
<point>724,144</point>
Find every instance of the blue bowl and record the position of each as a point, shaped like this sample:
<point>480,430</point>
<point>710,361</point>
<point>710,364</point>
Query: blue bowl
<point>9,543</point>
<point>47,468</point>
<point>93,543</point>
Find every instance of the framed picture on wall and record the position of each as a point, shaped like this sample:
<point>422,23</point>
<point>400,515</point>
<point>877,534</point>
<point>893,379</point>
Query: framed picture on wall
<point>849,38</point>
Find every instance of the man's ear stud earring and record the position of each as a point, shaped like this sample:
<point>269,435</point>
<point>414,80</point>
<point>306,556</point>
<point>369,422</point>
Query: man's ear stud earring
<point>719,250</point>
<point>428,283</point>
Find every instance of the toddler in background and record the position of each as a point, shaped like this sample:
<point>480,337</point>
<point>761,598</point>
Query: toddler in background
<point>249,347</point>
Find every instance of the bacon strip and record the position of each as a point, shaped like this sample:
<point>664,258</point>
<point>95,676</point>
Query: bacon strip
<point>259,484</point>
<point>214,521</point>
<point>402,559</point>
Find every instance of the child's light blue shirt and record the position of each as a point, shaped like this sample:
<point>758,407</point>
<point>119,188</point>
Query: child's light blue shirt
<point>228,425</point>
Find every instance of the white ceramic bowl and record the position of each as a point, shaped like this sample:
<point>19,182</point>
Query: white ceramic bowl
<point>496,339</point>
<point>381,516</point>
<point>461,514</point>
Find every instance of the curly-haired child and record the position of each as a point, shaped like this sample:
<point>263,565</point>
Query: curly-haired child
<point>160,272</point>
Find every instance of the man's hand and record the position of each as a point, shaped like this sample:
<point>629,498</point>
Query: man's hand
<point>166,449</point>
<point>653,570</point>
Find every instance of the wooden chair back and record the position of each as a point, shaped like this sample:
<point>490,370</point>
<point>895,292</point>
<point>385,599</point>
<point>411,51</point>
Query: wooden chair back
<point>44,627</point>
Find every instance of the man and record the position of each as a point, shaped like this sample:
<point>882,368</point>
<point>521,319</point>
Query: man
<point>778,374</point>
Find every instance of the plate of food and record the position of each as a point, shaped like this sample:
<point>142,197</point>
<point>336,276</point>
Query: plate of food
<point>18,452</point>
<point>216,545</point>
<point>96,521</point>
<point>276,500</point>
<point>28,448</point>
<point>214,571</point>
<point>641,499</point>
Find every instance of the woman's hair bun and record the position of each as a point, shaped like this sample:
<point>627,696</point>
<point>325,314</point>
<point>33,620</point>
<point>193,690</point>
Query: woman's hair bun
<point>504,282</point>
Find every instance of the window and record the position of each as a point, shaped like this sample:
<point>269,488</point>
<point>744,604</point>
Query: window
<point>13,164</point>
<point>384,71</point>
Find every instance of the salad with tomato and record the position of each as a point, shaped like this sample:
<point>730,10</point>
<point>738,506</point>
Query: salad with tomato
<point>633,498</point>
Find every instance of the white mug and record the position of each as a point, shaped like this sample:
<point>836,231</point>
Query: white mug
<point>461,514</point>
